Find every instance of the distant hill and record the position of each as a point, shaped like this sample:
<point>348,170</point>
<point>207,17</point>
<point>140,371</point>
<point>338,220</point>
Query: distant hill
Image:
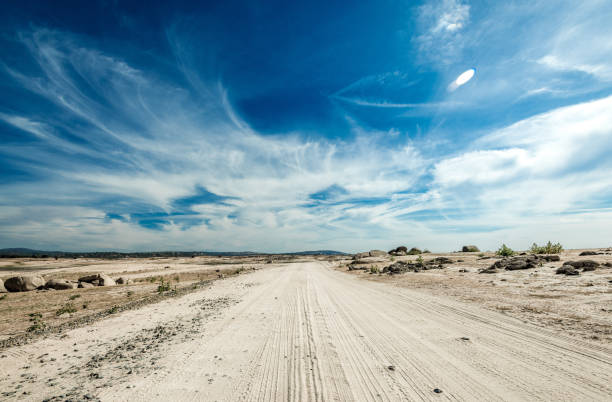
<point>26,252</point>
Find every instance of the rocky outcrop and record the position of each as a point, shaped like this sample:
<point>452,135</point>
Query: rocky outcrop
<point>585,265</point>
<point>123,281</point>
<point>98,280</point>
<point>588,253</point>
<point>470,249</point>
<point>399,251</point>
<point>521,262</point>
<point>60,284</point>
<point>567,270</point>
<point>400,267</point>
<point>85,285</point>
<point>378,253</point>
<point>24,283</point>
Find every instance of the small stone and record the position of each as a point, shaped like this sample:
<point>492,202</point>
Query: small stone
<point>437,390</point>
<point>391,368</point>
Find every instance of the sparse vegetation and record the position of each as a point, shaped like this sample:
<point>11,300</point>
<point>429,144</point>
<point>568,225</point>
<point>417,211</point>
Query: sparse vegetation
<point>163,286</point>
<point>505,251</point>
<point>470,249</point>
<point>549,248</point>
<point>481,255</point>
<point>426,251</point>
<point>2,297</point>
<point>130,293</point>
<point>420,261</point>
<point>66,308</point>
<point>74,297</point>
<point>414,251</point>
<point>374,270</point>
<point>37,323</point>
<point>113,310</point>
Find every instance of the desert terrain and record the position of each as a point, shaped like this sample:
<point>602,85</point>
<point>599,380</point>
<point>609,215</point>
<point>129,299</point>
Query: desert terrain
<point>308,328</point>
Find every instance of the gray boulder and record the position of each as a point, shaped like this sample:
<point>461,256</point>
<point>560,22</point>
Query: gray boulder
<point>123,281</point>
<point>89,278</point>
<point>105,280</point>
<point>98,280</point>
<point>60,284</point>
<point>585,265</point>
<point>568,270</point>
<point>378,253</point>
<point>24,283</point>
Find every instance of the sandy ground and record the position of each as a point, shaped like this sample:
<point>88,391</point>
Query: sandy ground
<point>307,331</point>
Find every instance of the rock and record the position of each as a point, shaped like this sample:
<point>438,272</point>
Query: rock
<point>586,265</point>
<point>414,251</point>
<point>355,267</point>
<point>588,253</point>
<point>437,390</point>
<point>105,280</point>
<point>520,262</point>
<point>490,270</point>
<point>442,260</point>
<point>89,278</point>
<point>567,270</point>
<point>607,264</point>
<point>401,250</point>
<point>552,257</point>
<point>2,288</point>
<point>470,249</point>
<point>123,281</point>
<point>378,253</point>
<point>391,368</point>
<point>24,283</point>
<point>85,285</point>
<point>98,280</point>
<point>60,284</point>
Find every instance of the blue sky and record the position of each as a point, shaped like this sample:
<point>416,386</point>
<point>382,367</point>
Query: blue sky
<point>283,126</point>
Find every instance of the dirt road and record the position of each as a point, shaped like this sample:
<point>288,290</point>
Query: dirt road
<point>307,332</point>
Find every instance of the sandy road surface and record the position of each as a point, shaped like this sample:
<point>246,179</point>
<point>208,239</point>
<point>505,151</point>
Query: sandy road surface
<point>306,332</point>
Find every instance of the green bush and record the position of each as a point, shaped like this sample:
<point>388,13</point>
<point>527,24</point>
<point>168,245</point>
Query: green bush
<point>374,270</point>
<point>414,251</point>
<point>505,251</point>
<point>420,261</point>
<point>549,248</point>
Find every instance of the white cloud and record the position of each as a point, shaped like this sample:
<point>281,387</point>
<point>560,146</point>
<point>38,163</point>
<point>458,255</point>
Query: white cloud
<point>441,24</point>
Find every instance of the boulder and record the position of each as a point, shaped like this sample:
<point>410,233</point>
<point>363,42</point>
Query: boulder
<point>522,262</point>
<point>588,253</point>
<point>377,253</point>
<point>2,288</point>
<point>586,265</point>
<point>470,249</point>
<point>490,270</point>
<point>125,281</point>
<point>24,283</point>
<point>89,278</point>
<point>98,280</point>
<point>401,250</point>
<point>105,280</point>
<point>60,284</point>
<point>85,285</point>
<point>568,270</point>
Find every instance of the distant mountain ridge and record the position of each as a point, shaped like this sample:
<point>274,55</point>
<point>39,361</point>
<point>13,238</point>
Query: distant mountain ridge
<point>26,252</point>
